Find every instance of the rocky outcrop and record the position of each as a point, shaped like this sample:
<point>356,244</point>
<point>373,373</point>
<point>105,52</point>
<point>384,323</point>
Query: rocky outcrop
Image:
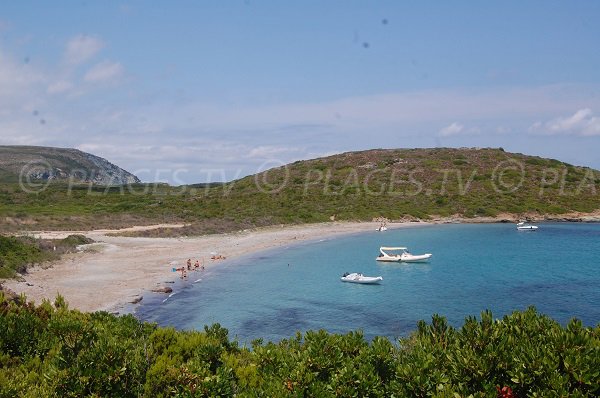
<point>162,289</point>
<point>30,163</point>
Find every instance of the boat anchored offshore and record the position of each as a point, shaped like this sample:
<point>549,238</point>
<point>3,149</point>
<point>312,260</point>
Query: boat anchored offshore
<point>404,255</point>
<point>357,277</point>
<point>523,226</point>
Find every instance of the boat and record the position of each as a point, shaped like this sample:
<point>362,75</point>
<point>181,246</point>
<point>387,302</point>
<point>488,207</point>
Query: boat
<point>357,277</point>
<point>523,226</point>
<point>404,255</point>
<point>382,227</point>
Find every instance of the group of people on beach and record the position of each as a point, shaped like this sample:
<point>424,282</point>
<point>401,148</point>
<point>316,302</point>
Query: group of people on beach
<point>188,267</point>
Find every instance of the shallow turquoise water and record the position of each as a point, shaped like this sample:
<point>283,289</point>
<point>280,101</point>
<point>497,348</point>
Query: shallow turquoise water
<point>474,267</point>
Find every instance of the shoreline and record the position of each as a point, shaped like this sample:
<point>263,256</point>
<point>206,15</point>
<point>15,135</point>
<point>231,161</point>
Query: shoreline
<point>115,273</point>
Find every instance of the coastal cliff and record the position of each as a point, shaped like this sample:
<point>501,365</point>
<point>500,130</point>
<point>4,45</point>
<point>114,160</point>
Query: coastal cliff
<point>55,164</point>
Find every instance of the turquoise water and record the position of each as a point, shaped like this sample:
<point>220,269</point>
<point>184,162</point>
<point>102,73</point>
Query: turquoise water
<point>475,267</point>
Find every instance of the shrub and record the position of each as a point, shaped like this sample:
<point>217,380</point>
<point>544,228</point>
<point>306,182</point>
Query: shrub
<point>50,350</point>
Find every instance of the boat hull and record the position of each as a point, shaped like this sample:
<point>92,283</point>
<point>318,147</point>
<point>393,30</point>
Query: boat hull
<point>417,259</point>
<point>528,228</point>
<point>390,259</point>
<point>405,259</point>
<point>361,279</point>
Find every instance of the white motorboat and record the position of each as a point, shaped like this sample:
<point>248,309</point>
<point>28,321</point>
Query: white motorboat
<point>403,256</point>
<point>357,277</point>
<point>523,226</point>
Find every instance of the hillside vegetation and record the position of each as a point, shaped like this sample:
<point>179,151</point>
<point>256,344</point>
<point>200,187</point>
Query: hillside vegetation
<point>401,184</point>
<point>19,253</point>
<point>50,351</point>
<point>34,163</point>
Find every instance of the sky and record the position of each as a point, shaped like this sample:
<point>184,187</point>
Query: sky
<point>197,91</point>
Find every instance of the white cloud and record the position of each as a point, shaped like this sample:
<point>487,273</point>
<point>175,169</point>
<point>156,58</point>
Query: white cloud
<point>82,48</point>
<point>195,160</point>
<point>571,123</point>
<point>581,123</point>
<point>162,132</point>
<point>400,113</point>
<point>59,87</point>
<point>536,126</point>
<point>266,152</point>
<point>453,129</point>
<point>103,72</point>
<point>16,79</point>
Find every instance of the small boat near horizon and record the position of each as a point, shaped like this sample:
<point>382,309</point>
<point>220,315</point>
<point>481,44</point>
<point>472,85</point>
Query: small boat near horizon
<point>404,255</point>
<point>524,226</point>
<point>357,277</point>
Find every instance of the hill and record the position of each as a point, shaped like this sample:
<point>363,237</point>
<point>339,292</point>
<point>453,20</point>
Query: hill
<point>469,182</point>
<point>398,184</point>
<point>34,163</point>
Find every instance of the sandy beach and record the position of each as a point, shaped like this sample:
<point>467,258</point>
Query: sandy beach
<point>114,271</point>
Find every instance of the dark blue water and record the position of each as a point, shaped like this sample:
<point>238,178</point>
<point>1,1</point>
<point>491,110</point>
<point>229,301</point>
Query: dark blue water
<point>474,267</point>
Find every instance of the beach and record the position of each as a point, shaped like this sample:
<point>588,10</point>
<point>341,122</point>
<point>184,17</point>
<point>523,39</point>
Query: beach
<point>115,271</point>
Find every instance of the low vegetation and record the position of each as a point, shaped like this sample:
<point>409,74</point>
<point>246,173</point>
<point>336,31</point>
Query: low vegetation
<point>401,184</point>
<point>49,350</point>
<point>18,253</point>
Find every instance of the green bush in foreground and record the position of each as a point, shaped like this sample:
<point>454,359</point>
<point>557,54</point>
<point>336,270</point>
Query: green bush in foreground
<point>49,350</point>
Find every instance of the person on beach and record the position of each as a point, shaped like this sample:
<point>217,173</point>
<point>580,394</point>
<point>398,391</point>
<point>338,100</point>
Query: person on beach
<point>196,265</point>
<point>189,264</point>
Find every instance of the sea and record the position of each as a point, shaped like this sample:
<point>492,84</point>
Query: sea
<point>274,294</point>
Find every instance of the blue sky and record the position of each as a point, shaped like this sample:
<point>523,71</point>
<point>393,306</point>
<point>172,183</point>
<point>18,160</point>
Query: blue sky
<point>190,91</point>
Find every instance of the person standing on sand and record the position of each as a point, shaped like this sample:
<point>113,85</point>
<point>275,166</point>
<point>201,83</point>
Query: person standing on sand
<point>196,265</point>
<point>189,264</point>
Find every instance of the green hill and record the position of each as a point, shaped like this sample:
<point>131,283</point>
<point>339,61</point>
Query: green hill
<point>399,184</point>
<point>425,182</point>
<point>35,163</point>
